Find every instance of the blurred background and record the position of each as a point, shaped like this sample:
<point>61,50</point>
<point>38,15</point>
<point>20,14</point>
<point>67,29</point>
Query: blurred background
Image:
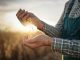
<point>12,32</point>
<point>47,10</point>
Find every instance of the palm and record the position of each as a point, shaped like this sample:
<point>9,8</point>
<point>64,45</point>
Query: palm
<point>41,40</point>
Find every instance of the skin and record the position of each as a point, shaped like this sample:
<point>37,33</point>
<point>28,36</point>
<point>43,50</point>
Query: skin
<point>38,41</point>
<point>24,15</point>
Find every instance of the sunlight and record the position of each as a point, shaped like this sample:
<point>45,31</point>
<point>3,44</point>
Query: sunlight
<point>15,24</point>
<point>30,28</point>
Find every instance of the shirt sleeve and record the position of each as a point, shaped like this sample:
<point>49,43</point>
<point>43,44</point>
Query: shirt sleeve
<point>50,30</point>
<point>55,31</point>
<point>66,47</point>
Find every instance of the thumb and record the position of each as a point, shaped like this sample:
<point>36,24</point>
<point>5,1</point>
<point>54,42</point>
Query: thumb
<point>29,41</point>
<point>25,39</point>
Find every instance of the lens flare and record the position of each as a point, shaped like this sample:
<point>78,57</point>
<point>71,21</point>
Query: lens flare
<point>30,28</point>
<point>15,25</point>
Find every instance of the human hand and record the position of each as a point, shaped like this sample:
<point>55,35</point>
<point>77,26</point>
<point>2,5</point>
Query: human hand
<point>23,15</point>
<point>38,41</point>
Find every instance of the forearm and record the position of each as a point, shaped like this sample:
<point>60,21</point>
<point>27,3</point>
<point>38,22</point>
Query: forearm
<point>66,47</point>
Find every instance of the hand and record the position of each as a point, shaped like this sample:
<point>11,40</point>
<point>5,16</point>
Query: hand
<point>38,41</point>
<point>25,15</point>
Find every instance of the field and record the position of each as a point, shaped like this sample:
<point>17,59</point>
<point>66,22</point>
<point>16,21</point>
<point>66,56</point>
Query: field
<point>12,48</point>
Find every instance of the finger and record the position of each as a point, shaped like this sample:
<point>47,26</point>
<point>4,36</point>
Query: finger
<point>22,12</point>
<point>27,14</point>
<point>31,45</point>
<point>24,40</point>
<point>18,12</point>
<point>27,41</point>
<point>22,15</point>
<point>25,17</point>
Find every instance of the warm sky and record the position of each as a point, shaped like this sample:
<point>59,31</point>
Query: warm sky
<point>47,10</point>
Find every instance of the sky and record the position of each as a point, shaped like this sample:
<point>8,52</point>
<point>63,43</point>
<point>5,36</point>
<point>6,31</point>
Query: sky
<point>48,11</point>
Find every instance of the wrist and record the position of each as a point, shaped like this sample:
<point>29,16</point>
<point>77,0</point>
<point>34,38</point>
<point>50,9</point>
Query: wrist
<point>38,23</point>
<point>48,43</point>
<point>41,26</point>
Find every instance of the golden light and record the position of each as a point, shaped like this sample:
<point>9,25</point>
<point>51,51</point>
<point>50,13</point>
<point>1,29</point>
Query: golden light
<point>30,28</point>
<point>16,25</point>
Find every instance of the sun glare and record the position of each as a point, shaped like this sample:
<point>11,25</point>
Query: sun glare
<point>30,28</point>
<point>15,24</point>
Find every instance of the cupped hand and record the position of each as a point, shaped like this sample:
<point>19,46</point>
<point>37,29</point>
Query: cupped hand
<point>25,15</point>
<point>38,41</point>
